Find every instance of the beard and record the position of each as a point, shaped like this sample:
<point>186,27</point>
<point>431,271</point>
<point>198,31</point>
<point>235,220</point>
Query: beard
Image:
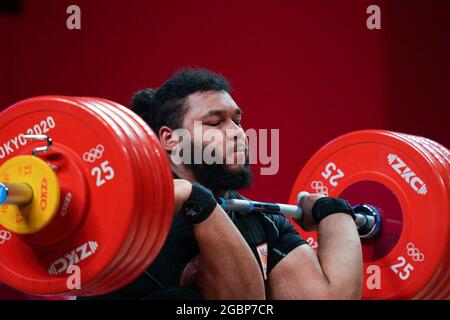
<point>219,177</point>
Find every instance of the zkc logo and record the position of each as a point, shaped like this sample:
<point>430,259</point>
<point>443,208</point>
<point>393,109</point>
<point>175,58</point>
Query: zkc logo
<point>72,258</point>
<point>407,174</point>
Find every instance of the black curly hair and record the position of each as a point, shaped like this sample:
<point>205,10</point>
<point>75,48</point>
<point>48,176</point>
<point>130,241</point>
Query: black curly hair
<point>166,106</point>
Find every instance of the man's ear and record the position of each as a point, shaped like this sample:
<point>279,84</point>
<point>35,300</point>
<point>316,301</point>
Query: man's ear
<point>167,138</point>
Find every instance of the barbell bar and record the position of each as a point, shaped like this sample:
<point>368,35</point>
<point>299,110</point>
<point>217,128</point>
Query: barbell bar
<point>367,219</point>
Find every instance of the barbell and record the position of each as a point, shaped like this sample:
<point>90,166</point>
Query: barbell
<point>367,218</point>
<point>99,195</point>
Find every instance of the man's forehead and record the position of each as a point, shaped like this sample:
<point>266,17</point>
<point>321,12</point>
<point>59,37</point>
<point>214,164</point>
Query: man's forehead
<point>202,103</point>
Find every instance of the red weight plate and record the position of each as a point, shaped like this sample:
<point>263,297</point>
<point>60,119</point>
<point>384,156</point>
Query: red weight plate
<point>442,149</point>
<point>135,237</point>
<point>141,265</point>
<point>433,282</point>
<point>165,197</point>
<point>127,254</point>
<point>165,178</point>
<point>438,286</point>
<point>150,256</point>
<point>153,188</point>
<point>443,290</point>
<point>95,244</point>
<point>136,222</point>
<point>377,168</point>
<point>148,226</point>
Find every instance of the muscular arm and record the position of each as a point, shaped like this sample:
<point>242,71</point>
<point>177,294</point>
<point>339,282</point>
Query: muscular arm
<point>226,268</point>
<point>334,273</point>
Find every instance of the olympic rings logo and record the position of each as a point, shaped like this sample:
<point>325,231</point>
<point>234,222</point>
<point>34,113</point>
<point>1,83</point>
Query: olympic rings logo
<point>319,187</point>
<point>4,236</point>
<point>94,154</point>
<point>414,253</point>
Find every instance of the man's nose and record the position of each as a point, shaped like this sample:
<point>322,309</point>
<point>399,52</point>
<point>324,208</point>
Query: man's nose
<point>236,133</point>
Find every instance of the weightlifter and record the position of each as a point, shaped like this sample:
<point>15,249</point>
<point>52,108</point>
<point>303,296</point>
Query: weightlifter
<point>213,254</point>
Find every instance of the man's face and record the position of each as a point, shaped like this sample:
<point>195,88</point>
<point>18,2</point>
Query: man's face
<point>219,112</point>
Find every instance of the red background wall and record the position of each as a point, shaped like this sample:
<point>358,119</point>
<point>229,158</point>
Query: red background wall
<point>310,68</point>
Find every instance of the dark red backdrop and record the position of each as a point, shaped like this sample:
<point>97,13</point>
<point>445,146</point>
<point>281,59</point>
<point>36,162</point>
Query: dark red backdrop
<point>310,68</point>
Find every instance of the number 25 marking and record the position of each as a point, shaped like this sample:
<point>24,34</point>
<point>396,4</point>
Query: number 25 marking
<point>403,275</point>
<point>106,169</point>
<point>327,173</point>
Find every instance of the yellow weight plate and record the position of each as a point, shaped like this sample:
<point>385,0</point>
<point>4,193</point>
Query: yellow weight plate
<point>46,194</point>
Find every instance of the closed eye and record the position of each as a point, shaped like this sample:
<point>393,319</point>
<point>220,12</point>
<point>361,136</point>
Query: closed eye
<point>214,124</point>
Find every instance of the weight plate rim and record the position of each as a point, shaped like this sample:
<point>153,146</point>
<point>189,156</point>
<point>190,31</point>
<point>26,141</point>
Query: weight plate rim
<point>433,290</point>
<point>167,177</point>
<point>147,219</point>
<point>163,163</point>
<point>435,275</point>
<point>132,233</point>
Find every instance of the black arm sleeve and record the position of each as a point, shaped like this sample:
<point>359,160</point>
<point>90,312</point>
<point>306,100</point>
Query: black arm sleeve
<point>287,239</point>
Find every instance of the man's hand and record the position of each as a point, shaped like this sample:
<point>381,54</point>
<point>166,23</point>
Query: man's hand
<point>183,190</point>
<point>334,272</point>
<point>306,203</point>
